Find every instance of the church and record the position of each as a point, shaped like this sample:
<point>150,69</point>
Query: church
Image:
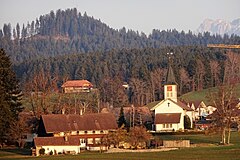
<point>170,112</point>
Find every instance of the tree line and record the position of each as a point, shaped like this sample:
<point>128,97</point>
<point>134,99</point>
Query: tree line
<point>68,31</point>
<point>144,70</point>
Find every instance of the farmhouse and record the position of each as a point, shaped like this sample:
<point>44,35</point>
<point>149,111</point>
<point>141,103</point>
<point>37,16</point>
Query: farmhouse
<point>61,133</point>
<point>169,113</point>
<point>77,86</point>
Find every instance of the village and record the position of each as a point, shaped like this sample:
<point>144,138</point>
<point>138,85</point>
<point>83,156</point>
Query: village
<point>76,131</point>
<point>120,80</point>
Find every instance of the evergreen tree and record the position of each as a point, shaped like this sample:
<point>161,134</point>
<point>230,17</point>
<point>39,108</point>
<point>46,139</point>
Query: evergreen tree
<point>121,119</point>
<point>9,97</point>
<point>187,122</point>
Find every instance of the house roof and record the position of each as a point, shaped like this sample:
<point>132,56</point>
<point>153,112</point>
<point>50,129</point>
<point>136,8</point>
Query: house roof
<point>77,83</point>
<point>55,123</point>
<point>182,105</point>
<point>179,103</point>
<point>163,118</point>
<point>195,103</point>
<point>62,141</point>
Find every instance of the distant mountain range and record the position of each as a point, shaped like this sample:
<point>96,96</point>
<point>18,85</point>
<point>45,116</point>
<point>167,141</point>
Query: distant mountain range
<point>220,26</point>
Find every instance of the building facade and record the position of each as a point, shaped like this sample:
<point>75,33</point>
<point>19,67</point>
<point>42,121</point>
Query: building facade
<point>169,113</point>
<point>61,133</point>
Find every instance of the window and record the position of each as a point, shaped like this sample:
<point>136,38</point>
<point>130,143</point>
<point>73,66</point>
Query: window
<point>82,141</point>
<point>85,132</point>
<point>169,125</point>
<point>97,140</point>
<point>90,141</point>
<point>93,132</point>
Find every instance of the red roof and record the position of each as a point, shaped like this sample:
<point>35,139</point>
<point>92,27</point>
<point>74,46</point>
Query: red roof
<point>163,118</point>
<point>196,104</point>
<point>77,83</point>
<point>55,123</point>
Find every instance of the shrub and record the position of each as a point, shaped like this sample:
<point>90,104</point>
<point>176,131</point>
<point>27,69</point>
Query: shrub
<point>42,151</point>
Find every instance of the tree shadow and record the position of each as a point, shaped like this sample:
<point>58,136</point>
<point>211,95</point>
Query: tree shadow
<point>19,151</point>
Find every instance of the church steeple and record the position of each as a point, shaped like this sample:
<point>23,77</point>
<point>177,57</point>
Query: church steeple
<point>170,75</point>
<point>170,87</point>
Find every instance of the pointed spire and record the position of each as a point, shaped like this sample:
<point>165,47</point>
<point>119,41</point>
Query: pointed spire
<point>170,74</point>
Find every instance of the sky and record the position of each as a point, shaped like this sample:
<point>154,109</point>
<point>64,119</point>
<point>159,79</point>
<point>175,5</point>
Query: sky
<point>137,15</point>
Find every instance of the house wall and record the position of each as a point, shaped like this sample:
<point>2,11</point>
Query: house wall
<point>89,132</point>
<point>76,89</point>
<point>169,107</point>
<point>175,127</point>
<point>58,149</point>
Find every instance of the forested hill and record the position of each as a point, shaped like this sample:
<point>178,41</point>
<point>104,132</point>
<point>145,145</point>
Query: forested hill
<point>68,31</point>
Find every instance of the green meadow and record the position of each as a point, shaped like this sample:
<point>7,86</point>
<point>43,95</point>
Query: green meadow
<point>206,147</point>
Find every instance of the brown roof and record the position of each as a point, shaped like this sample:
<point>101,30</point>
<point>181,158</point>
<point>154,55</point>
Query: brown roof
<point>162,118</point>
<point>182,105</point>
<point>55,123</point>
<point>77,83</point>
<point>62,141</point>
<point>195,103</point>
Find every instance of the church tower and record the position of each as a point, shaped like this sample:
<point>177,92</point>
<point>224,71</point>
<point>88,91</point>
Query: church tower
<point>170,87</point>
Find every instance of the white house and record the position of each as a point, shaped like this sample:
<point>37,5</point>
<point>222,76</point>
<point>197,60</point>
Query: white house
<point>170,112</point>
<point>200,109</point>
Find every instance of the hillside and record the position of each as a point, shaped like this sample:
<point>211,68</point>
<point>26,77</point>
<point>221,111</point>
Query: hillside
<point>202,95</point>
<point>196,96</point>
<point>65,45</point>
<point>67,31</point>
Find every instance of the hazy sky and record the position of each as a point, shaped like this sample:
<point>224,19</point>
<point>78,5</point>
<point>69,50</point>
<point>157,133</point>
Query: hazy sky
<point>141,15</point>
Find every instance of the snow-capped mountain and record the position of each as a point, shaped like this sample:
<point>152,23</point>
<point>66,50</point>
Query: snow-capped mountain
<point>220,27</point>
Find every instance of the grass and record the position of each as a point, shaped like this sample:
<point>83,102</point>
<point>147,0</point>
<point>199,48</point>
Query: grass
<point>201,95</point>
<point>210,152</point>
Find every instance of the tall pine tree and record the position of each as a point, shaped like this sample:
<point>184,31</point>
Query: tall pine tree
<point>121,119</point>
<point>10,96</point>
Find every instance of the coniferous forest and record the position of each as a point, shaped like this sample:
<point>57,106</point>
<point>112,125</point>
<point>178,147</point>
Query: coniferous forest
<point>69,45</point>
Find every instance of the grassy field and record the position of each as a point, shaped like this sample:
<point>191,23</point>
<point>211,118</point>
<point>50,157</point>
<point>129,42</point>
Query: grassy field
<point>201,95</point>
<point>208,149</point>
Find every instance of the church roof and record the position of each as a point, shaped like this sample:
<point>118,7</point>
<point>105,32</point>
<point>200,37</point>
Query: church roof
<point>179,103</point>
<point>170,80</point>
<point>164,118</point>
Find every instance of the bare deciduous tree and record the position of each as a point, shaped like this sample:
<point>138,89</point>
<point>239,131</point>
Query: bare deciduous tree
<point>232,68</point>
<point>200,71</point>
<point>215,68</point>
<point>225,101</point>
<point>184,80</point>
<point>39,90</point>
